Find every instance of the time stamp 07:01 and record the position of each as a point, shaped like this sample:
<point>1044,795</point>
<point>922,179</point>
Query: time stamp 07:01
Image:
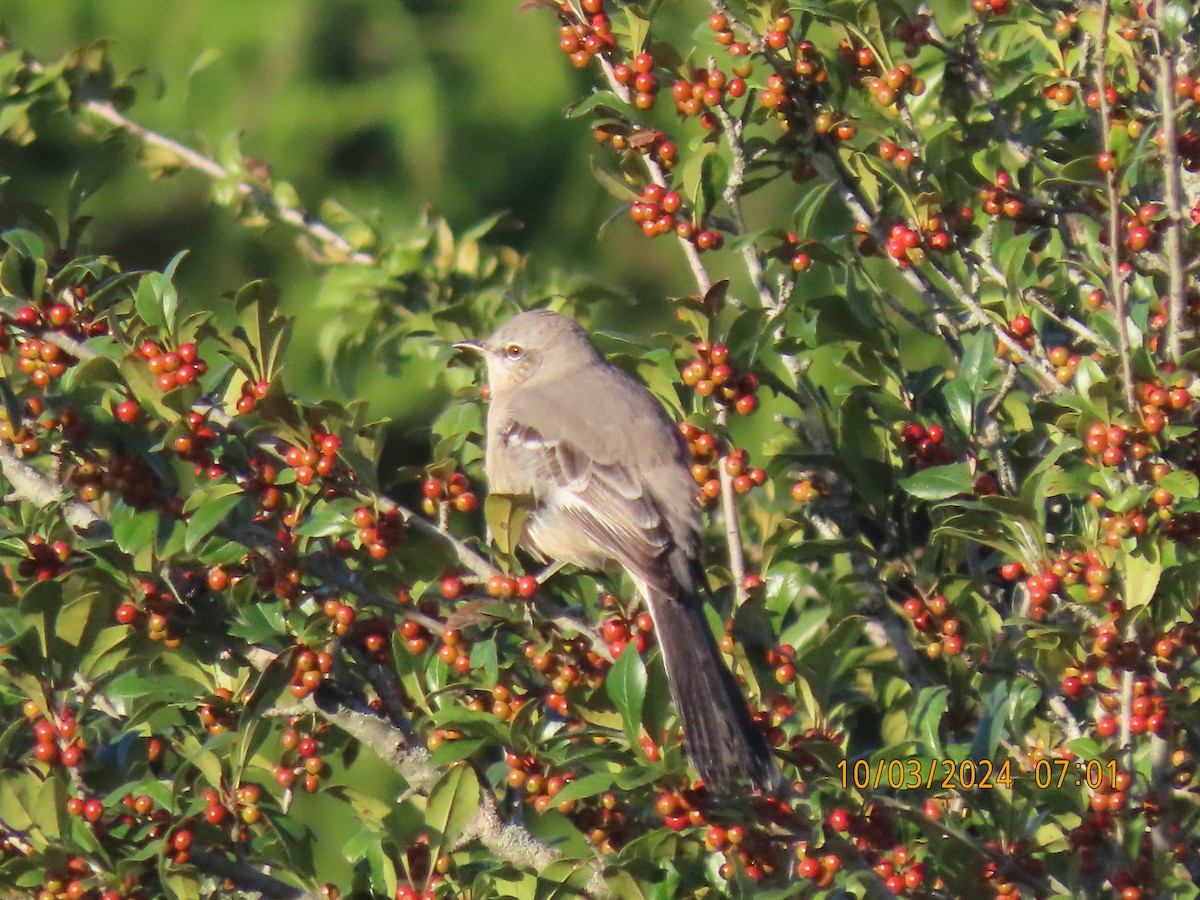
<point>967,774</point>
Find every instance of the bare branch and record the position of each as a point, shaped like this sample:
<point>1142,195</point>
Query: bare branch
<point>1173,190</point>
<point>262,199</point>
<point>1115,282</point>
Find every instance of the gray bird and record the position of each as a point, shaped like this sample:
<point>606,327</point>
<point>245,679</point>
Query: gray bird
<point>610,482</point>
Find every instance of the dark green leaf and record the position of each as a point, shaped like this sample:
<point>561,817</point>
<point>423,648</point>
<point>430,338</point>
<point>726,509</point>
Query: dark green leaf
<point>939,482</point>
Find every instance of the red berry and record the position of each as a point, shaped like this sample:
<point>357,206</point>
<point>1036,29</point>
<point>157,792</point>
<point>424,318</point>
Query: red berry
<point>128,411</point>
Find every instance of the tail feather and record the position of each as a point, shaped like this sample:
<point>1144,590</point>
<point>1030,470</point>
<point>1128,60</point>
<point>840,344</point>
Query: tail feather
<point>720,737</point>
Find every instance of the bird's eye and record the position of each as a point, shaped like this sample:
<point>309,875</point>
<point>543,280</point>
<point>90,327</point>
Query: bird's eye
<point>514,351</point>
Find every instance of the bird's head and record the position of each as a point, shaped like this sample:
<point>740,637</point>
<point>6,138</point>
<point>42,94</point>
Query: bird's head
<point>533,347</point>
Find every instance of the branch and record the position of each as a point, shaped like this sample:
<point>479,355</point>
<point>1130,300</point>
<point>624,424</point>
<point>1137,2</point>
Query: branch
<point>262,199</point>
<point>1173,190</point>
<point>1116,287</point>
<point>32,486</point>
<point>512,843</point>
<point>247,877</point>
<point>732,130</point>
<point>733,528</point>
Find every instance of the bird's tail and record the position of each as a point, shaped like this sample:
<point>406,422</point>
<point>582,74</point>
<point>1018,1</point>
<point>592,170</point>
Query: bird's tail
<point>720,737</point>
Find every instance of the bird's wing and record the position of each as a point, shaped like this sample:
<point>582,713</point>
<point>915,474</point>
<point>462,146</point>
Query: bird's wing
<point>606,500</point>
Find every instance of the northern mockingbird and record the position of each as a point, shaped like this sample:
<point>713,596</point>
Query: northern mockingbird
<point>610,482</point>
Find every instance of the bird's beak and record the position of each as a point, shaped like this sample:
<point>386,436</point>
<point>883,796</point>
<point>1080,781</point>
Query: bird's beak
<point>471,346</point>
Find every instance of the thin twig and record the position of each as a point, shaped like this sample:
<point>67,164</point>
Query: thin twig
<point>731,128</point>
<point>1116,287</point>
<point>262,199</point>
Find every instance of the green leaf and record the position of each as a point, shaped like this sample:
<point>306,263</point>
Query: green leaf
<point>626,685</point>
<point>210,515</point>
<point>978,359</point>
<point>505,515</point>
<point>1141,576</point>
<point>453,802</point>
<point>25,242</point>
<point>991,726</point>
<point>927,716</point>
<point>1183,485</point>
<point>939,482</point>
<point>587,786</point>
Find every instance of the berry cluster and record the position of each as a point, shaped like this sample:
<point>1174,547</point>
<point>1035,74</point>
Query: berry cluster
<point>935,618</point>
<point>1060,90</point>
<point>903,245</point>
<point>894,84</point>
<point>309,669</point>
<point>793,252</point>
<point>455,652</point>
<point>374,636</point>
<point>1112,445</point>
<point>902,157</point>
<point>506,704</point>
<point>581,667</point>
<point>900,872</point>
<point>603,823</point>
<point>620,631</point>
<point>925,445</point>
<point>707,89</point>
<point>809,67</point>
<point>540,783</point>
<point>661,211</point>
<point>745,478</point>
<point>55,738</point>
<point>155,609</point>
<point>450,491</point>
<point>220,714</point>
<point>722,30</point>
<point>416,637</point>
<point>584,39</point>
<point>1065,363</point>
<point>873,834</point>
<point>785,671</point>
<point>35,425</point>
<point>1001,199</point>
<point>639,75</point>
<point>714,374</point>
<point>133,479</point>
<point>379,532</point>
<point>46,560</point>
<point>990,7</point>
<point>196,445</point>
<point>914,34</point>
<point>301,759</point>
<point>241,808</point>
<point>1148,710</point>
<point>42,361</point>
<point>250,395</point>
<point>75,880</point>
<point>506,586</point>
<point>319,458</point>
<point>172,368</point>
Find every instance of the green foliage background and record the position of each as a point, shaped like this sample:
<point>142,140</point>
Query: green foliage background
<point>390,107</point>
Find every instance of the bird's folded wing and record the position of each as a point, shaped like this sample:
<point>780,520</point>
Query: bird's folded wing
<point>607,501</point>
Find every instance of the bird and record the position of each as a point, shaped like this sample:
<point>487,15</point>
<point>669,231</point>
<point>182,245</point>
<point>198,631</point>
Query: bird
<point>608,479</point>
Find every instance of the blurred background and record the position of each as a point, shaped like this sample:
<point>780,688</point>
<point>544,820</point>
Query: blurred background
<point>387,106</point>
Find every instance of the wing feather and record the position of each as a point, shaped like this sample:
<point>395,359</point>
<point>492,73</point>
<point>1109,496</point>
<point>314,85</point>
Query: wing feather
<point>579,500</point>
